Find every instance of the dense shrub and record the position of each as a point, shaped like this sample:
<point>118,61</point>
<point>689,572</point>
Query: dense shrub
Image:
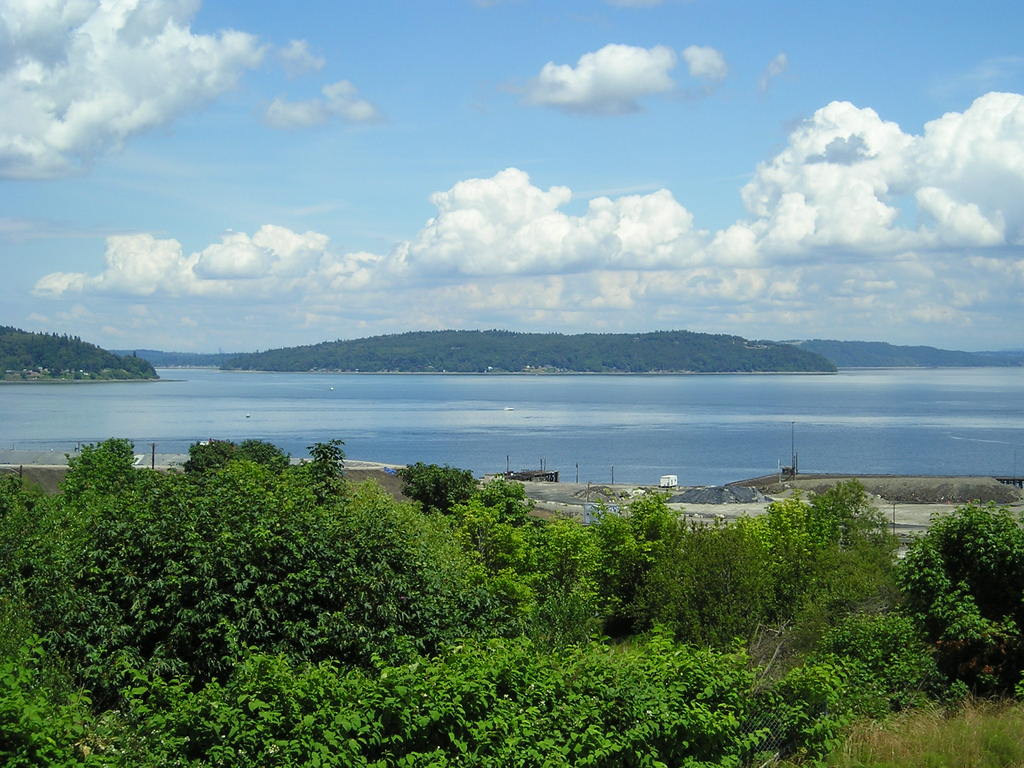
<point>211,455</point>
<point>256,613</point>
<point>888,665</point>
<point>964,578</point>
<point>500,703</point>
<point>183,574</point>
<point>437,488</point>
<point>800,563</point>
<point>44,721</point>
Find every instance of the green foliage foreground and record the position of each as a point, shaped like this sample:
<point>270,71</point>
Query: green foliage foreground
<point>495,703</point>
<point>255,613</point>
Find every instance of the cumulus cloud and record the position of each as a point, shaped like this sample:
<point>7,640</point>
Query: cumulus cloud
<point>297,59</point>
<point>78,78</point>
<point>340,100</point>
<point>775,67</point>
<point>705,63</point>
<point>273,261</point>
<point>609,81</point>
<point>849,180</point>
<point>506,225</point>
<point>853,224</point>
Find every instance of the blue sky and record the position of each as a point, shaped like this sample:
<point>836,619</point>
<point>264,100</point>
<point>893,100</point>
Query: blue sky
<point>236,176</point>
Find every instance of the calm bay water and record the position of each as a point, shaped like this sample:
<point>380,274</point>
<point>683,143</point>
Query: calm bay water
<point>706,429</point>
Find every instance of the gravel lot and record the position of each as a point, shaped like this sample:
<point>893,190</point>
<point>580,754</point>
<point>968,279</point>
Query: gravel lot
<point>912,500</point>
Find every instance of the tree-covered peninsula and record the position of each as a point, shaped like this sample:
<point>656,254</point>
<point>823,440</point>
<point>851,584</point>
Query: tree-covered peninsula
<point>878,354</point>
<point>508,351</point>
<point>26,356</point>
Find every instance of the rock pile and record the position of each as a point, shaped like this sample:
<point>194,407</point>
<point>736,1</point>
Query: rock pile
<point>719,494</point>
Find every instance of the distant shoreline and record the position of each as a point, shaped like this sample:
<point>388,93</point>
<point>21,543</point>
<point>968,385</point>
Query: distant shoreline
<point>543,373</point>
<point>83,381</point>
<point>839,369</point>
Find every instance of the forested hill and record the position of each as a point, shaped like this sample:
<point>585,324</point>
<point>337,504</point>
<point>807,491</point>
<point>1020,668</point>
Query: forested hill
<point>497,351</point>
<point>877,354</point>
<point>26,356</point>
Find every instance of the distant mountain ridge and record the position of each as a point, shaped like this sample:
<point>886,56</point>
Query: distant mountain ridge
<point>509,351</point>
<point>879,354</point>
<point>28,356</point>
<point>162,359</point>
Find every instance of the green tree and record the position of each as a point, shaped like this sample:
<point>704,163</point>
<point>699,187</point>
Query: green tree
<point>326,469</point>
<point>211,455</point>
<point>629,548</point>
<point>103,468</point>
<point>823,559</point>
<point>180,573</point>
<point>507,497</point>
<point>567,594</point>
<point>713,589</point>
<point>263,453</point>
<point>437,488</point>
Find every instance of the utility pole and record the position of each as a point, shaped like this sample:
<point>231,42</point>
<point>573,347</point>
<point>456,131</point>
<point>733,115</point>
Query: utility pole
<point>152,456</point>
<point>792,446</point>
<point>577,473</point>
<point>613,474</point>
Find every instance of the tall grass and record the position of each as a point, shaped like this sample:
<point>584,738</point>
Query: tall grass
<point>980,734</point>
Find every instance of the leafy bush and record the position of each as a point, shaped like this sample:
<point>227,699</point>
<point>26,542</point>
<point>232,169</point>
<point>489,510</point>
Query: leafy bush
<point>803,563</point>
<point>964,578</point>
<point>214,454</point>
<point>182,575</point>
<point>43,722</point>
<point>629,547</point>
<point>270,615</point>
<point>500,703</point>
<point>888,665</point>
<point>437,488</point>
<point>104,468</point>
<point>715,588</point>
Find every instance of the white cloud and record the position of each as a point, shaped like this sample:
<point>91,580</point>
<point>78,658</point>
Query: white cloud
<point>977,157</point>
<point>849,180</point>
<point>609,81</point>
<point>298,59</point>
<point>273,260</point>
<point>705,63</point>
<point>775,67</point>
<point>506,225</point>
<point>854,225</point>
<point>340,100</point>
<point>960,223</point>
<point>79,77</point>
